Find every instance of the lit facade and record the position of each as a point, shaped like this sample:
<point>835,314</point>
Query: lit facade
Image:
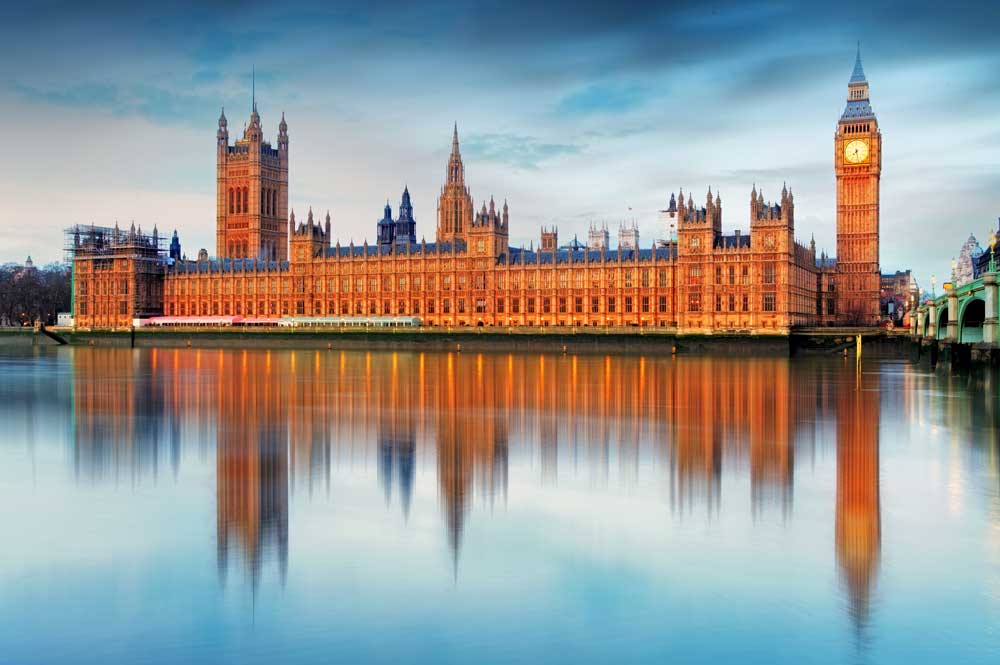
<point>704,281</point>
<point>858,163</point>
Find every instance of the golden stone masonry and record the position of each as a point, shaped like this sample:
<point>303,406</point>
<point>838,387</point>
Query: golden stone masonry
<point>702,281</point>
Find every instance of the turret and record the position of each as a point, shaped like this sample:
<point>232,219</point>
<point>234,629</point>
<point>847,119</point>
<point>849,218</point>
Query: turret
<point>550,239</point>
<point>405,228</point>
<point>223,134</point>
<point>175,247</point>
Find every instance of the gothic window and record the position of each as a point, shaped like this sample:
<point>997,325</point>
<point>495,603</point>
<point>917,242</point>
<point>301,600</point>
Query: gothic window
<point>628,304</point>
<point>246,199</point>
<point>694,302</point>
<point>768,302</point>
<point>769,273</point>
<point>230,200</point>
<point>645,304</point>
<point>611,303</point>
<point>663,304</point>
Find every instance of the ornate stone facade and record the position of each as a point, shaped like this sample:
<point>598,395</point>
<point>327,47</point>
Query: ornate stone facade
<point>858,164</point>
<point>703,281</point>
<point>252,193</point>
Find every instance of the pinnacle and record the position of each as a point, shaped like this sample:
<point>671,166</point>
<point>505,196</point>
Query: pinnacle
<point>858,75</point>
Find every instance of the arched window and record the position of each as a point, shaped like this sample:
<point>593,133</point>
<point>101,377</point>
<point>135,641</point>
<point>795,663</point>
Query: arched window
<point>246,199</point>
<point>230,200</point>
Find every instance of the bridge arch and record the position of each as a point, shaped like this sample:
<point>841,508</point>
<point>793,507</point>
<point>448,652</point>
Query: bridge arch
<point>972,315</point>
<point>942,322</point>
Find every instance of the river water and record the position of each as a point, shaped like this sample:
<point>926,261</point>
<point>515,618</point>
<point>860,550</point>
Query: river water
<point>164,506</point>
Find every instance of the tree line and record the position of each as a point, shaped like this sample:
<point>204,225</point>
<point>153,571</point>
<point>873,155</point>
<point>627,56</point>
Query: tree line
<point>29,294</point>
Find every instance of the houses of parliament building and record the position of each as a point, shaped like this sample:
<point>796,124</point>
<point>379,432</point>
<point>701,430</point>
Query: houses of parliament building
<point>271,265</point>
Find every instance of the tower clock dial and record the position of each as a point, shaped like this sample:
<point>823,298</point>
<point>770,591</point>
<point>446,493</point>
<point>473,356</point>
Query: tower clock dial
<point>856,151</point>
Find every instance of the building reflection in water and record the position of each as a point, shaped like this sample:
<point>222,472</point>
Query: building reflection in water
<point>251,469</point>
<point>858,520</point>
<point>280,421</point>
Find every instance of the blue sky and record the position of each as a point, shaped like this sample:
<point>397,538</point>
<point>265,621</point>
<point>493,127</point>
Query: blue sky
<point>572,113</point>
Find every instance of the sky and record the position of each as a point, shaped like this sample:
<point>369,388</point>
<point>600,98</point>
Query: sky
<point>573,112</point>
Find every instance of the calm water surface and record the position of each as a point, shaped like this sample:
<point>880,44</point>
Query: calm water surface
<point>258,507</point>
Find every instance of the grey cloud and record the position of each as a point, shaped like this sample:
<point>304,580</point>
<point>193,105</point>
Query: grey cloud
<point>519,151</point>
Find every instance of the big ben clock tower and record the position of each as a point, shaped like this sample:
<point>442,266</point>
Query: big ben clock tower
<point>858,163</point>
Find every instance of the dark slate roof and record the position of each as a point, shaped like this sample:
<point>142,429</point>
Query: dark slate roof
<point>858,109</point>
<point>230,265</point>
<point>520,256</point>
<point>858,75</point>
<point>398,248</point>
<point>734,241</point>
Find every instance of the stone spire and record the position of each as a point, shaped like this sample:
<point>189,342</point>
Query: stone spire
<point>858,75</point>
<point>456,170</point>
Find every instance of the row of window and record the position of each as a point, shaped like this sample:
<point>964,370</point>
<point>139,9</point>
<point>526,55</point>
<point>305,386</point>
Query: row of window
<point>101,309</point>
<point>239,201</point>
<point>769,303</point>
<point>561,305</point>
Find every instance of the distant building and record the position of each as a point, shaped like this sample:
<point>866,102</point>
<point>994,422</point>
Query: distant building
<point>668,218</point>
<point>898,293</point>
<point>965,264</point>
<point>628,236</point>
<point>598,238</point>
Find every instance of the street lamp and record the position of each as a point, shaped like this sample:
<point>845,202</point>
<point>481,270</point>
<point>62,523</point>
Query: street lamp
<point>933,284</point>
<point>993,244</point>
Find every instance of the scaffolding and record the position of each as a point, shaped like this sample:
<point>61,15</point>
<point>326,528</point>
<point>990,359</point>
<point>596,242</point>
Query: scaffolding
<point>123,257</point>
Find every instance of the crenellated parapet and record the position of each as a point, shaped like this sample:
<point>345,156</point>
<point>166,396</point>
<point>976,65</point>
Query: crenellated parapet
<point>781,213</point>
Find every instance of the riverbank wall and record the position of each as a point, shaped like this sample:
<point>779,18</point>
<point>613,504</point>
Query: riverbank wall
<point>567,340</point>
<point>944,355</point>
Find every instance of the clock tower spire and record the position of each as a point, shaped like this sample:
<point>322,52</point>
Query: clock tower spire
<point>858,165</point>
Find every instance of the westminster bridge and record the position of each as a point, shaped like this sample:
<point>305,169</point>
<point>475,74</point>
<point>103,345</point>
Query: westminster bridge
<point>961,323</point>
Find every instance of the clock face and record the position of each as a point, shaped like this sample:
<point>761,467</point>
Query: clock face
<point>856,151</point>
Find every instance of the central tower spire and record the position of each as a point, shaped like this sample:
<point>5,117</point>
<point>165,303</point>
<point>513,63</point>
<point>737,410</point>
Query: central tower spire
<point>455,212</point>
